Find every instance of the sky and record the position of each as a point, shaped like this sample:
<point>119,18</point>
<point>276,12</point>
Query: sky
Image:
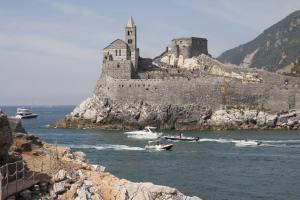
<point>51,50</point>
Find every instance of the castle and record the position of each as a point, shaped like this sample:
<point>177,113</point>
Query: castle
<point>185,74</point>
<point>121,58</point>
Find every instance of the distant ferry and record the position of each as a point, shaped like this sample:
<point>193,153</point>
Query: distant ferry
<point>23,113</point>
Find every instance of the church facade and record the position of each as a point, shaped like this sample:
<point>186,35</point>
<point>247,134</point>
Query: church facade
<point>120,58</point>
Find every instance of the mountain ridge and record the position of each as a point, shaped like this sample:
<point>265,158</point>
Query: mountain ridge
<point>275,48</point>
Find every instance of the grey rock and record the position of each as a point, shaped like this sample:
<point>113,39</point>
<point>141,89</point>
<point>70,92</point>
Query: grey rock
<point>149,191</point>
<point>5,136</point>
<point>271,120</point>
<point>60,175</point>
<point>79,155</point>
<point>26,195</point>
<point>59,188</point>
<point>15,125</point>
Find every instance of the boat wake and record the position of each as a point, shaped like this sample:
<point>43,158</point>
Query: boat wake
<point>256,143</point>
<point>115,147</point>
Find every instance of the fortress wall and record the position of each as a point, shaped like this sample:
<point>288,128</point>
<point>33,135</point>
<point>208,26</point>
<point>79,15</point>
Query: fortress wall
<point>213,91</point>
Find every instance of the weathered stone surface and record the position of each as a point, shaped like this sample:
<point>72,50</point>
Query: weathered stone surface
<point>26,195</point>
<point>15,125</point>
<point>148,191</point>
<point>60,176</point>
<point>59,188</point>
<point>5,136</point>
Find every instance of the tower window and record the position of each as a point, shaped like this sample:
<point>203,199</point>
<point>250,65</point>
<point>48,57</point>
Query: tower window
<point>129,32</point>
<point>129,41</point>
<point>116,52</point>
<point>119,52</point>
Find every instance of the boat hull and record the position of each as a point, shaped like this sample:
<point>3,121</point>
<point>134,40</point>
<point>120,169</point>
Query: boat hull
<point>182,139</point>
<point>27,116</point>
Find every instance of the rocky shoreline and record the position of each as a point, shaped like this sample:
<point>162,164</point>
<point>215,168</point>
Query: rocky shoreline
<point>63,174</point>
<point>104,113</point>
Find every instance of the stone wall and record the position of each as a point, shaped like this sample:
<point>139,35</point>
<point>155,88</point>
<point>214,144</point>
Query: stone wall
<point>116,54</point>
<point>213,91</point>
<point>118,69</point>
<point>297,101</point>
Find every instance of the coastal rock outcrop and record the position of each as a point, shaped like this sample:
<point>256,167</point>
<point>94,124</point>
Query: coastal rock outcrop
<point>5,136</point>
<point>63,174</point>
<point>104,113</point>
<point>15,124</point>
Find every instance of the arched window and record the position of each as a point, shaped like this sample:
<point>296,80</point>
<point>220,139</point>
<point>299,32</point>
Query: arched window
<point>119,52</point>
<point>116,52</point>
<point>129,41</point>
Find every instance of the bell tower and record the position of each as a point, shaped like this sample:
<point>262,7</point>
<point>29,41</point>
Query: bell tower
<point>131,40</point>
<point>130,34</point>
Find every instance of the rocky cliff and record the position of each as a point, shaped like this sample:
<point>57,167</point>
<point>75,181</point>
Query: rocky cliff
<point>5,136</point>
<point>98,113</point>
<point>276,48</point>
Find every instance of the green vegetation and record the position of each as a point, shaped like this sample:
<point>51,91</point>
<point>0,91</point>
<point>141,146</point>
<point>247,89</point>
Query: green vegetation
<point>276,47</point>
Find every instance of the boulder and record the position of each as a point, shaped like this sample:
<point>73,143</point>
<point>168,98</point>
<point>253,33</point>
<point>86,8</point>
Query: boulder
<point>271,120</point>
<point>5,136</point>
<point>261,118</point>
<point>59,188</point>
<point>139,191</point>
<point>80,156</point>
<point>61,175</point>
<point>26,195</point>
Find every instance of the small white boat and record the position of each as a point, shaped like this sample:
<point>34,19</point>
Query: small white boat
<point>247,143</point>
<point>158,146</point>
<point>181,137</point>
<point>23,113</point>
<point>147,133</point>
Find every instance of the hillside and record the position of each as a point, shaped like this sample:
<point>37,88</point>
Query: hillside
<point>276,48</point>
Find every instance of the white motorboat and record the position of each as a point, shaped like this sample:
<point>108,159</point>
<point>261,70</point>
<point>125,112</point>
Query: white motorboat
<point>158,146</point>
<point>23,113</point>
<point>147,133</point>
<point>247,143</point>
<point>181,137</point>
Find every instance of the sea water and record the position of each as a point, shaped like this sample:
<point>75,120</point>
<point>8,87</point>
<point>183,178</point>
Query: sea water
<point>217,167</point>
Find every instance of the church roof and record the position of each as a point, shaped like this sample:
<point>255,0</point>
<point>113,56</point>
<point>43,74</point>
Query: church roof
<point>130,23</point>
<point>117,44</point>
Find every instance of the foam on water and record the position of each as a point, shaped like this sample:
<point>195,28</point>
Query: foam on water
<point>262,143</point>
<point>105,146</point>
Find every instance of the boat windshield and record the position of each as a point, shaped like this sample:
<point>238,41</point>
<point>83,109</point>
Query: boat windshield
<point>149,128</point>
<point>22,110</point>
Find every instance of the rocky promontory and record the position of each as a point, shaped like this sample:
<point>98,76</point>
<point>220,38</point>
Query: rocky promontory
<point>104,113</point>
<point>184,88</point>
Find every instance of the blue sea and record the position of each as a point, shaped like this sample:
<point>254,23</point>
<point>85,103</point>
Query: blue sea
<point>215,168</point>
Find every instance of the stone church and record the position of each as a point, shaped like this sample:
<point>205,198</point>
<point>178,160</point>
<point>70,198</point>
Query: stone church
<point>120,59</point>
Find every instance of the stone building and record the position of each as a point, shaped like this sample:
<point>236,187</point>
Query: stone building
<point>120,58</point>
<point>188,47</point>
